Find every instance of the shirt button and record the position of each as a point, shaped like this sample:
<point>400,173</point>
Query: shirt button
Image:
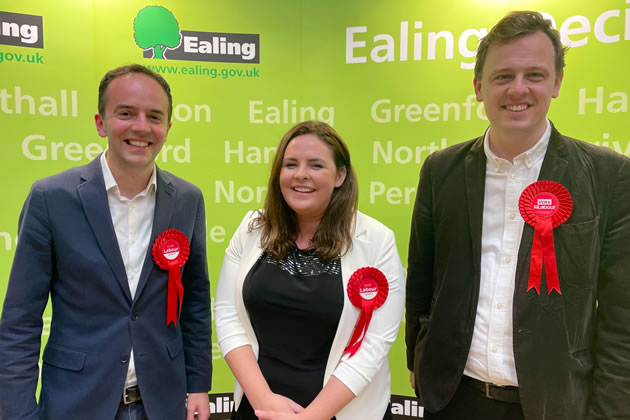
<point>493,349</point>
<point>499,305</point>
<point>507,260</point>
<point>513,176</point>
<point>512,215</point>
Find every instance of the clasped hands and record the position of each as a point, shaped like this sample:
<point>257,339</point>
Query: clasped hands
<point>278,407</point>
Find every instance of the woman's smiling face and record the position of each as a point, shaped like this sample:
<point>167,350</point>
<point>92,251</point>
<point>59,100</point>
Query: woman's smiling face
<point>309,176</point>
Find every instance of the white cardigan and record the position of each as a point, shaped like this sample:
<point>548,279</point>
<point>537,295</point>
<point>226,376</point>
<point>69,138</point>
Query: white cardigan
<point>366,373</point>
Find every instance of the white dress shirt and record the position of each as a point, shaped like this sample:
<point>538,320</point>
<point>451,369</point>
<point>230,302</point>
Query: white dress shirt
<point>133,221</point>
<point>491,356</point>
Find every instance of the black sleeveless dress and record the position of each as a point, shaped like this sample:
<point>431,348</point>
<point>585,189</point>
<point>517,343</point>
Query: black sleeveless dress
<point>294,306</point>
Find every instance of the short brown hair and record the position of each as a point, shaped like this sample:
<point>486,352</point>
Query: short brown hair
<point>131,68</point>
<point>517,24</point>
<point>277,220</point>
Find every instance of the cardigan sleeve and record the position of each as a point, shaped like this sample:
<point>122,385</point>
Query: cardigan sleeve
<point>357,372</point>
<point>231,332</point>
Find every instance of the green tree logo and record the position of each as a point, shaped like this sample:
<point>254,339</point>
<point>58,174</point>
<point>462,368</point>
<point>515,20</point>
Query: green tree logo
<point>156,27</point>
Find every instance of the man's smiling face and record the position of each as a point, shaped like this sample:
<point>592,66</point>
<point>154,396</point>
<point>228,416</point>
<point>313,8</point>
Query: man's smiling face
<point>517,83</point>
<point>135,122</point>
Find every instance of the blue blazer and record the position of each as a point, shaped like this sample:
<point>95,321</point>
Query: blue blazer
<point>67,249</point>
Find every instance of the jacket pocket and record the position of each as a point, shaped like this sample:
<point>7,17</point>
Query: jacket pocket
<point>64,357</point>
<point>577,247</point>
<point>174,347</point>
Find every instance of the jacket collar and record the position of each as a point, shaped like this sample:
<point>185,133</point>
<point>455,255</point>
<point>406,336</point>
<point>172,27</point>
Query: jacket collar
<point>475,182</point>
<point>165,199</point>
<point>553,168</point>
<point>93,197</point>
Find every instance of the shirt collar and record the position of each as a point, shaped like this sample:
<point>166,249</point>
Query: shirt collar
<point>529,157</point>
<point>112,185</point>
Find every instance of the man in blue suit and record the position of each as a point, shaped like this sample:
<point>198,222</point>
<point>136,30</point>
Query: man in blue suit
<point>85,239</point>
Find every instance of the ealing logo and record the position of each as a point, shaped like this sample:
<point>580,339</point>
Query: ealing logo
<point>156,30</point>
<point>21,30</point>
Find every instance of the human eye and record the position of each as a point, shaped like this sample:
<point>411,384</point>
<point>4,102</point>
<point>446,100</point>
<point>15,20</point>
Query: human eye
<point>124,113</point>
<point>289,164</point>
<point>535,75</point>
<point>503,77</point>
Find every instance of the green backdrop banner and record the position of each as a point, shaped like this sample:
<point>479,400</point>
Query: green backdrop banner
<point>394,78</point>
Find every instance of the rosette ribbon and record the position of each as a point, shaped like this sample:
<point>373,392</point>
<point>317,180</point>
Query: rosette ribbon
<point>367,290</point>
<point>544,205</point>
<point>170,251</point>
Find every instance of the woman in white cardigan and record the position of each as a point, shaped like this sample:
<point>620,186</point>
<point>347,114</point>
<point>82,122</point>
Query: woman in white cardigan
<point>283,314</point>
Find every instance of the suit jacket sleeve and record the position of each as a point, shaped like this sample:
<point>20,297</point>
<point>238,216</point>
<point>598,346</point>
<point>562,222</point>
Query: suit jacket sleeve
<point>25,301</point>
<point>420,262</point>
<point>610,398</point>
<point>196,320</point>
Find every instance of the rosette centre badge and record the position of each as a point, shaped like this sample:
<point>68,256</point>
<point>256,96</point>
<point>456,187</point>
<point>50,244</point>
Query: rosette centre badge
<point>368,289</point>
<point>545,204</point>
<point>171,250</point>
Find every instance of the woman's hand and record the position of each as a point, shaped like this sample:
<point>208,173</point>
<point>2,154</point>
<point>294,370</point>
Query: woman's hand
<point>245,367</point>
<point>280,404</point>
<point>274,415</point>
<point>330,400</point>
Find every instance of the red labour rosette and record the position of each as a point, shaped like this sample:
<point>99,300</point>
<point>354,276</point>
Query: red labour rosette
<point>170,252</point>
<point>367,290</point>
<point>544,205</point>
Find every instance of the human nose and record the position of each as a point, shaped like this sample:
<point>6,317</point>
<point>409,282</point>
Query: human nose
<point>140,124</point>
<point>518,87</point>
<point>301,172</point>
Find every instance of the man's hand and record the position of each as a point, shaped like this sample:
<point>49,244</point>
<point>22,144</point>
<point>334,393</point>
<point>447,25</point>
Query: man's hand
<point>200,404</point>
<point>412,379</point>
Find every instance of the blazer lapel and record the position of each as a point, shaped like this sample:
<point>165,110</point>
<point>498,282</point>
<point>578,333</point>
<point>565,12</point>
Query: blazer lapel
<point>165,196</point>
<point>93,197</point>
<point>475,182</point>
<point>556,159</point>
<point>553,168</point>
